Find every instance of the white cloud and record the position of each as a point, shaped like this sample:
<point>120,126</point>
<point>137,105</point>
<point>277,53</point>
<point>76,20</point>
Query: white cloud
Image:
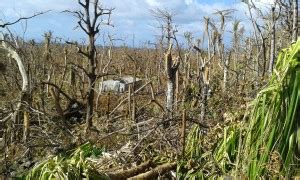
<point>129,17</point>
<point>153,2</point>
<point>264,2</point>
<point>188,2</point>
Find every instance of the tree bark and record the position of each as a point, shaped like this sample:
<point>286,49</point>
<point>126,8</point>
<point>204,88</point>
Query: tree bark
<point>225,73</point>
<point>295,20</point>
<point>171,69</point>
<point>170,94</point>
<point>91,81</point>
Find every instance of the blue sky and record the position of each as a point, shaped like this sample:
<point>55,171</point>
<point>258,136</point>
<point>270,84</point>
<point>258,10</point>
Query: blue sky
<point>130,17</point>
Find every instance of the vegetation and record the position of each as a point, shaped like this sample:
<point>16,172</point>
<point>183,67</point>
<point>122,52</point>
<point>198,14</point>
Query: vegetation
<point>74,166</point>
<point>197,108</point>
<point>266,144</point>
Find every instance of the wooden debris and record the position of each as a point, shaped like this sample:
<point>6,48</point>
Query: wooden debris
<point>130,172</point>
<point>154,173</point>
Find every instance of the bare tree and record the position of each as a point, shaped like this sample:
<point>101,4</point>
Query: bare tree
<point>224,14</point>
<point>90,18</point>
<point>13,53</point>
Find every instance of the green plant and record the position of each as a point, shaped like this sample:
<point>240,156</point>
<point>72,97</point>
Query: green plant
<point>273,121</point>
<point>266,144</point>
<point>74,166</point>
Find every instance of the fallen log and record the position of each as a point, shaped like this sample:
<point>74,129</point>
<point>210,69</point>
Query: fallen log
<point>130,172</point>
<point>154,173</point>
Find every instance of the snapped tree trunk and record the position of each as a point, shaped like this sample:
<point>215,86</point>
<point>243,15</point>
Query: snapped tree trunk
<point>204,83</point>
<point>171,69</point>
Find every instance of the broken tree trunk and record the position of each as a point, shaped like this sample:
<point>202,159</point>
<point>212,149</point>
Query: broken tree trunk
<point>171,69</point>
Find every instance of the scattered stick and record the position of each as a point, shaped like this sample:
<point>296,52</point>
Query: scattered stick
<point>116,108</point>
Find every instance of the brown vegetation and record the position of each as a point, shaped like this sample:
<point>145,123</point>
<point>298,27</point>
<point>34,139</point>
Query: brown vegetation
<point>49,101</point>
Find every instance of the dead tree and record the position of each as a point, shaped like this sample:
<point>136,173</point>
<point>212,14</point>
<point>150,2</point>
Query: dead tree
<point>171,63</point>
<point>171,69</point>
<point>90,18</point>
<point>12,52</point>
<point>225,14</point>
<point>258,34</point>
<point>47,58</point>
<point>204,78</point>
<point>237,33</point>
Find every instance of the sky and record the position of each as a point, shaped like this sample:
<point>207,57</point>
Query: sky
<point>132,19</point>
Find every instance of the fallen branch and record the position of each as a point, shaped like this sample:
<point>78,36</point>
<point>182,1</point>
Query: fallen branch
<point>130,172</point>
<point>154,173</point>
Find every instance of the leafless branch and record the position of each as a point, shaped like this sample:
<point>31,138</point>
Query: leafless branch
<point>22,18</point>
<point>79,67</point>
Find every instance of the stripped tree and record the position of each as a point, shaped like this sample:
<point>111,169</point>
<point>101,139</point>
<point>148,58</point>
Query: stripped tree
<point>224,14</point>
<point>90,18</point>
<point>171,63</point>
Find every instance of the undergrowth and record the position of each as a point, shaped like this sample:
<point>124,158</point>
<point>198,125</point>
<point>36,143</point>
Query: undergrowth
<point>73,166</point>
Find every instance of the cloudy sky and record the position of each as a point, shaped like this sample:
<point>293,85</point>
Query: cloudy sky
<point>130,17</point>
